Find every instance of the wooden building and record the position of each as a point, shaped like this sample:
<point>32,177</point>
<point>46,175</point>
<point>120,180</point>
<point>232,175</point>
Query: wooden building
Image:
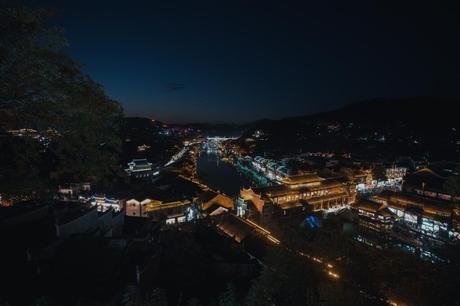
<point>306,193</point>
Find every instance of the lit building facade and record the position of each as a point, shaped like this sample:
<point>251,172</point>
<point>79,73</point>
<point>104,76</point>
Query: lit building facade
<point>272,169</point>
<point>374,216</point>
<point>395,174</point>
<point>429,183</point>
<point>71,191</point>
<point>301,193</point>
<point>105,203</point>
<point>139,169</point>
<point>432,218</point>
<point>363,179</point>
<point>213,203</point>
<point>173,212</point>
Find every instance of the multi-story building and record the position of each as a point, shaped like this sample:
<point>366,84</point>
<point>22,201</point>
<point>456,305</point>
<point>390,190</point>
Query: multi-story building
<point>363,179</point>
<point>174,212</point>
<point>395,174</point>
<point>374,216</point>
<point>105,203</point>
<point>139,169</point>
<point>136,204</point>
<point>171,212</point>
<point>430,183</point>
<point>71,191</point>
<point>211,203</point>
<point>300,193</point>
<point>273,170</point>
<point>432,218</point>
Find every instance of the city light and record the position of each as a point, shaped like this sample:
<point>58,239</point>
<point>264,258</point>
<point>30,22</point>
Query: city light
<point>332,274</point>
<point>190,208</point>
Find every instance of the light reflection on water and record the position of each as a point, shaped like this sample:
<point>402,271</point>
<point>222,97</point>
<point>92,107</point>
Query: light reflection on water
<point>220,175</point>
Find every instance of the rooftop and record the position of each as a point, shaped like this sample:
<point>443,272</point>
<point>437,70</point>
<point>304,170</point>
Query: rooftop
<point>367,205</point>
<point>427,178</point>
<point>141,161</point>
<point>429,205</point>
<point>302,179</point>
<point>235,228</point>
<point>290,205</point>
<point>221,200</point>
<point>374,207</point>
<point>328,197</point>
<point>165,205</point>
<point>73,215</point>
<point>139,164</point>
<point>279,190</point>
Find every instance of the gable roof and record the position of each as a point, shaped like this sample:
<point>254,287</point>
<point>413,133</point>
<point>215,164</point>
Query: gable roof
<point>219,199</point>
<point>302,179</point>
<point>374,207</point>
<point>235,228</point>
<point>206,196</point>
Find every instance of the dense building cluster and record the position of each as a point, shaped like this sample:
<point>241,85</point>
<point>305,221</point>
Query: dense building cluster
<point>274,170</point>
<point>297,194</point>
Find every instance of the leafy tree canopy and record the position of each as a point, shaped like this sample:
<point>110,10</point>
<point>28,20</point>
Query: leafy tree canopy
<point>44,89</point>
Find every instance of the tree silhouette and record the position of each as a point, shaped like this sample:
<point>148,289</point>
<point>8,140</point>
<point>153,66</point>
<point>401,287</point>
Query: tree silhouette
<point>43,88</point>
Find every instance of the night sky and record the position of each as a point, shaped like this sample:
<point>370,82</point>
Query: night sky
<point>230,61</point>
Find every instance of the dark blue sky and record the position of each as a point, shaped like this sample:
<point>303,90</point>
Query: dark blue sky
<point>231,61</point>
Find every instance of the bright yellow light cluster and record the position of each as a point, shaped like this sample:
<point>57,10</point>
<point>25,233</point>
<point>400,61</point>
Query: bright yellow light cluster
<point>334,275</point>
<point>273,239</point>
<point>317,260</point>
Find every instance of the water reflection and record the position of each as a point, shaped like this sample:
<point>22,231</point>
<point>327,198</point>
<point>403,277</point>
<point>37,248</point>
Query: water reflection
<point>220,175</point>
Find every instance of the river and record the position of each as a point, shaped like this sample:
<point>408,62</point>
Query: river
<point>220,175</point>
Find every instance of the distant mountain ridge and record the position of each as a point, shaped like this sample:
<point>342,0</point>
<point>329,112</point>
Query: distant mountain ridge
<point>413,126</point>
<point>381,108</point>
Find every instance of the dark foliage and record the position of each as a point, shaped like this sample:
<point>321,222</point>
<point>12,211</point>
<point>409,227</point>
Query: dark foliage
<point>44,89</point>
